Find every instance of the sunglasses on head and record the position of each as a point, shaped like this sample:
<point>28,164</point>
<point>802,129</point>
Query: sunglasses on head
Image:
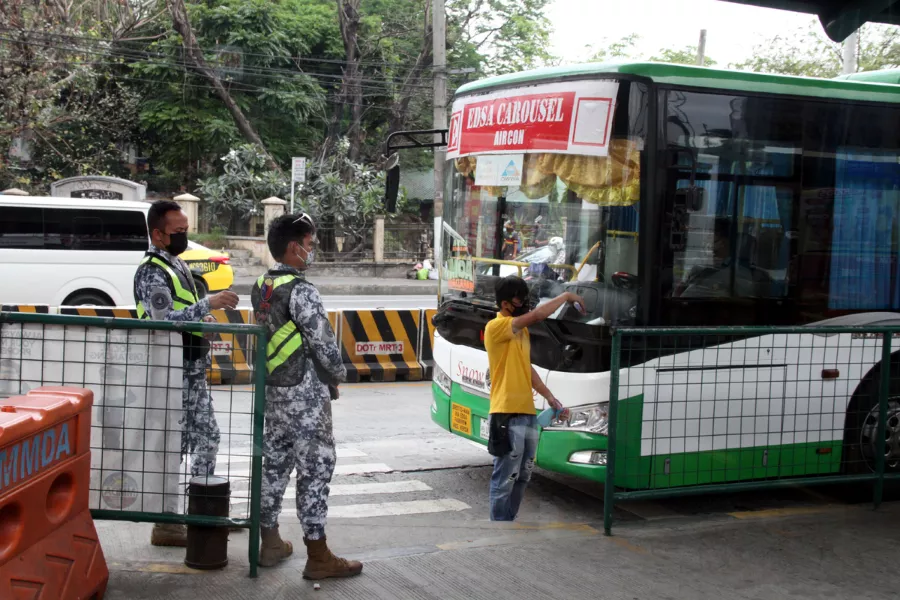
<point>304,217</point>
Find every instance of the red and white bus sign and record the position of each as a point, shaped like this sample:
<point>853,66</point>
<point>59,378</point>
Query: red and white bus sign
<point>571,118</point>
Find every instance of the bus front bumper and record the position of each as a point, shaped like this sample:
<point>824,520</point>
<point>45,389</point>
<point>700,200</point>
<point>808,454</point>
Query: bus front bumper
<point>575,453</point>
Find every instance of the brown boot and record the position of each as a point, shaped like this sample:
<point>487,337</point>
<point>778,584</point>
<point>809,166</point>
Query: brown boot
<point>273,549</point>
<point>321,563</point>
<point>168,534</point>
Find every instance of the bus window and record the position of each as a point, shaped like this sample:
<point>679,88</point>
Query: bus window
<point>87,229</point>
<point>21,227</point>
<point>555,218</point>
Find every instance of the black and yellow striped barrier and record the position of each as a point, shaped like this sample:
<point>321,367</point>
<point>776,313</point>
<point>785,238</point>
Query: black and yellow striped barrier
<point>376,345</point>
<point>43,309</point>
<point>98,311</point>
<point>426,346</point>
<point>232,355</point>
<point>381,345</point>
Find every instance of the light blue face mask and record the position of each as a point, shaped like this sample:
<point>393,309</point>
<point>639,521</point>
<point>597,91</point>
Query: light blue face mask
<point>310,256</point>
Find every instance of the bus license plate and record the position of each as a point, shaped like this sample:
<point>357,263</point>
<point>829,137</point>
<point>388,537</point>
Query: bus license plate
<point>461,419</point>
<point>485,430</point>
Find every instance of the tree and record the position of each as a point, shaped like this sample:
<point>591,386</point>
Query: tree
<point>345,196</point>
<point>810,53</point>
<point>256,49</point>
<point>626,48</point>
<point>622,48</point>
<point>246,180</point>
<point>509,35</point>
<point>61,106</point>
<point>682,56</point>
<point>193,54</point>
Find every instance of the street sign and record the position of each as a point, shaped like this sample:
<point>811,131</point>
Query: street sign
<point>298,169</point>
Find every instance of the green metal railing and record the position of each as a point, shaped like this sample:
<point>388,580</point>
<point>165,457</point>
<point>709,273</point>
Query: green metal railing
<point>672,431</point>
<point>18,330</point>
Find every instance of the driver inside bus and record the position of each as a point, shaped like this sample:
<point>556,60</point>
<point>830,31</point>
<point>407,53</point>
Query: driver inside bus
<point>714,281</point>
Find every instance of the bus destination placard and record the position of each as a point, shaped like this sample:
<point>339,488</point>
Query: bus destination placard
<point>570,117</point>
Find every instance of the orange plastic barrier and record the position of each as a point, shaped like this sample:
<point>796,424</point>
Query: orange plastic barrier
<point>48,544</point>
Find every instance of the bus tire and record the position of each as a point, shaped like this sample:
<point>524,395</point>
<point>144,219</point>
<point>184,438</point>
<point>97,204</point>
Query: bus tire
<point>88,298</point>
<point>859,447</point>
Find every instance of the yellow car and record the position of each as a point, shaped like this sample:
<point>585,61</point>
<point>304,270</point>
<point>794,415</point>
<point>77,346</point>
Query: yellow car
<point>211,270</point>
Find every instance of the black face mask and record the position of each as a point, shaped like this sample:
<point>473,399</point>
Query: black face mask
<point>518,311</point>
<point>178,243</point>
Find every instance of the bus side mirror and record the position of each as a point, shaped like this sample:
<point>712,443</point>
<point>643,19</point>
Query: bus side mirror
<point>692,198</point>
<point>391,183</point>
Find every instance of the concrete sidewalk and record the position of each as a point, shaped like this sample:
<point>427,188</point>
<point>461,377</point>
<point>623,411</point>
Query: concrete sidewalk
<point>354,286</point>
<point>835,552</point>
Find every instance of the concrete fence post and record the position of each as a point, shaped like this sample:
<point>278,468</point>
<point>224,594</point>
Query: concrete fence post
<point>273,207</point>
<point>378,242</point>
<point>190,204</point>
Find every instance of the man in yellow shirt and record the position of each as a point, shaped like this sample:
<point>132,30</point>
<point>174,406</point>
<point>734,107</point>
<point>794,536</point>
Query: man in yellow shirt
<point>513,425</point>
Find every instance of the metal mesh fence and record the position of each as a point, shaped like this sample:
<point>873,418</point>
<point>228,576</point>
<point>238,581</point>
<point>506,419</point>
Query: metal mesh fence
<point>156,421</point>
<point>407,242</point>
<point>727,409</point>
<point>337,244</point>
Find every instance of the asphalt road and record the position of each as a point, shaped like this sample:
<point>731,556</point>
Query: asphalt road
<point>409,496</point>
<point>369,302</point>
<point>402,483</point>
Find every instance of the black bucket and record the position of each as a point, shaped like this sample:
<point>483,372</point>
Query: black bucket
<point>207,547</point>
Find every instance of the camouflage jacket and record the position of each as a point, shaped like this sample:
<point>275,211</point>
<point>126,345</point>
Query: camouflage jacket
<point>323,362</point>
<point>151,289</point>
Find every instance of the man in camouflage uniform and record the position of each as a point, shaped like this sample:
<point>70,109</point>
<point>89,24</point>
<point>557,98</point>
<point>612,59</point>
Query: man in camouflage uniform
<point>304,367</point>
<point>164,291</point>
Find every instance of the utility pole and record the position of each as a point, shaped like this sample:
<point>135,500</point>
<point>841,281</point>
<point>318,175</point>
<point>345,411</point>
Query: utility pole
<point>439,36</point>
<point>850,48</point>
<point>701,48</point>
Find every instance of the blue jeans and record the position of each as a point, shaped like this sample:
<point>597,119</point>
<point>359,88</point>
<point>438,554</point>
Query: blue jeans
<point>512,471</point>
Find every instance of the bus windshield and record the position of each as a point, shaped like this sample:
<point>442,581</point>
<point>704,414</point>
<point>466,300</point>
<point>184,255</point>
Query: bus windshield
<point>555,218</point>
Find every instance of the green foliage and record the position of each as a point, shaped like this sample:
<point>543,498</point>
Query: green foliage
<point>244,183</point>
<point>65,112</point>
<point>810,53</point>
<point>681,56</point>
<point>623,48</point>
<point>340,193</point>
<point>253,45</point>
<point>81,82</point>
<point>626,48</point>
<point>217,238</point>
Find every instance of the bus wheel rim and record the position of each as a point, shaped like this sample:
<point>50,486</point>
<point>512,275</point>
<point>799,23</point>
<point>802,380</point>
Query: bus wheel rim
<point>868,440</point>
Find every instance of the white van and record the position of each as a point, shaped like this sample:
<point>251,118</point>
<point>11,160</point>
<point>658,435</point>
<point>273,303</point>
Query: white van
<point>70,251</point>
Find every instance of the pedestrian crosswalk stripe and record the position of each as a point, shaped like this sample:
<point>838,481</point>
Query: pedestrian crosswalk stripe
<point>243,461</point>
<point>362,489</point>
<point>386,509</point>
<point>240,479</point>
<point>388,487</point>
<point>361,468</point>
<point>349,453</point>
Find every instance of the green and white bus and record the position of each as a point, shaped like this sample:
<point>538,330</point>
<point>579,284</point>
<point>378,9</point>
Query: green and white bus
<point>677,196</point>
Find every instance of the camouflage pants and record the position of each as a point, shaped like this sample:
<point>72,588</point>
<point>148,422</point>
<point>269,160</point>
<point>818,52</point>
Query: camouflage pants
<point>298,435</point>
<point>199,430</point>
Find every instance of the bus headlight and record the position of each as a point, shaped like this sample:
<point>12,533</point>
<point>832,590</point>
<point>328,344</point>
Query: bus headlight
<point>592,418</point>
<point>441,379</point>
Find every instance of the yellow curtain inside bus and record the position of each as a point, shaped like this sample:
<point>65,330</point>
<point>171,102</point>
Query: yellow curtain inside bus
<point>612,180</point>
